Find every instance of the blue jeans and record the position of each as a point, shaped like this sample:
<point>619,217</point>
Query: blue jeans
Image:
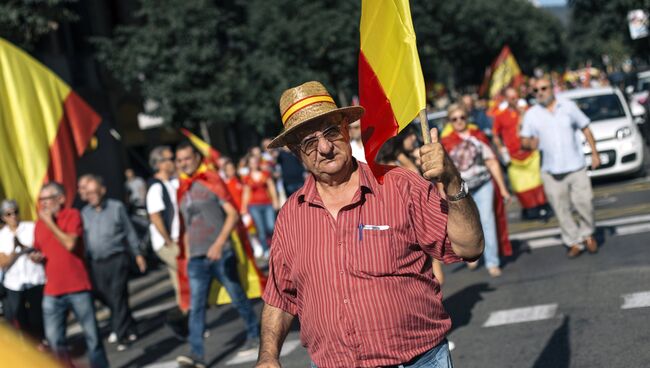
<point>200,271</point>
<point>55,311</point>
<point>438,357</point>
<point>264,218</point>
<point>484,198</point>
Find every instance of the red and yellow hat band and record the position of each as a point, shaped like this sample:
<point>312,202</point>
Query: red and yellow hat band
<point>301,104</point>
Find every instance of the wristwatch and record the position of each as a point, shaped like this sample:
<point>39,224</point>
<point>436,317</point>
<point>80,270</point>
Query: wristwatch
<point>464,191</point>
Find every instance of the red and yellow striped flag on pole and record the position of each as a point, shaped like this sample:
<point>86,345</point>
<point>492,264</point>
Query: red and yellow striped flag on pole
<point>210,155</point>
<point>504,72</point>
<point>391,85</point>
<point>44,128</point>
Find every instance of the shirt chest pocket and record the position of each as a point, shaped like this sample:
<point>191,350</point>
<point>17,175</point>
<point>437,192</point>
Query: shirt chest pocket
<point>374,252</point>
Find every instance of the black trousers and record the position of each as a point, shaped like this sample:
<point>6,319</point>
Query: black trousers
<point>24,310</point>
<point>110,276</point>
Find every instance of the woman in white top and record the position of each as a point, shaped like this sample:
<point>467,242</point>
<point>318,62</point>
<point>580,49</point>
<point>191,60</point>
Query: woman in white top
<point>23,279</point>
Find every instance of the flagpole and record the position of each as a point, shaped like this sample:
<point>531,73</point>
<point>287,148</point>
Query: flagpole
<point>424,125</point>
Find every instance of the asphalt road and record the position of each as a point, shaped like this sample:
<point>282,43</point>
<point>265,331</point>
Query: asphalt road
<point>544,311</point>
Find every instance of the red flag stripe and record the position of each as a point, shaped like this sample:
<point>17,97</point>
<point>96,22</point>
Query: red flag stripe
<point>377,124</point>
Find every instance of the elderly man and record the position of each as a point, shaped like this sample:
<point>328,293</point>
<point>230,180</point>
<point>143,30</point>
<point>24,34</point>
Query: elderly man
<point>550,126</point>
<point>59,244</point>
<point>352,257</point>
<point>107,231</point>
<point>164,227</point>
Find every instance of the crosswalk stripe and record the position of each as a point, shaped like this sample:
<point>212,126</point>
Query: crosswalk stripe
<point>519,315</point>
<point>544,242</point>
<point>287,348</point>
<point>633,229</point>
<point>636,300</point>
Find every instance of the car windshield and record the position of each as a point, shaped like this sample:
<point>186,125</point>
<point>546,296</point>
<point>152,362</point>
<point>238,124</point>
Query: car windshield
<point>601,107</point>
<point>643,84</point>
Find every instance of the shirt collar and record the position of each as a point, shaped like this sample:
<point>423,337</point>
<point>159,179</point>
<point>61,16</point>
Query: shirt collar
<point>367,184</point>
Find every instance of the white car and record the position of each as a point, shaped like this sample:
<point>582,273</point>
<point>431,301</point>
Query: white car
<point>618,140</point>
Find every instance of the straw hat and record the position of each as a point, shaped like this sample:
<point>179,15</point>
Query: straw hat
<point>307,105</point>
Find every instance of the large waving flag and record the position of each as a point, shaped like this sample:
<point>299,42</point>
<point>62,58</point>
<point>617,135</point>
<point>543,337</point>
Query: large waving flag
<point>44,128</point>
<point>504,72</point>
<point>210,155</point>
<point>391,85</point>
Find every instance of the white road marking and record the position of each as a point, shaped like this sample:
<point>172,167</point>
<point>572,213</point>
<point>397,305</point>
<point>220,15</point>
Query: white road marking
<point>287,348</point>
<point>633,229</point>
<point>154,310</point>
<point>519,315</point>
<point>544,242</point>
<point>636,300</point>
<point>556,230</point>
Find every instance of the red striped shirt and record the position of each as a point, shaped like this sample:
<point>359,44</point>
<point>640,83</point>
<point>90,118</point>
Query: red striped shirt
<point>364,297</point>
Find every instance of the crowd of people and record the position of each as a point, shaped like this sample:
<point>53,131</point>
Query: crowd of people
<point>69,258</point>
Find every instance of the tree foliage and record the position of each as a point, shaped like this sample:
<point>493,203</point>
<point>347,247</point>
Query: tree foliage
<point>24,22</point>
<point>600,27</point>
<point>228,61</point>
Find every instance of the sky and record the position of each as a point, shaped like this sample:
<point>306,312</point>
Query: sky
<point>551,2</point>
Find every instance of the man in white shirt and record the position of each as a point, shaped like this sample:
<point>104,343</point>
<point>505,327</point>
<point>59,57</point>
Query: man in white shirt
<point>23,278</point>
<point>163,210</point>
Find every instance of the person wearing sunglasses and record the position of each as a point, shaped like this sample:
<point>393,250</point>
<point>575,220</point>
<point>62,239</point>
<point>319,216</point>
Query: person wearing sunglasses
<point>469,149</point>
<point>550,127</point>
<point>23,278</point>
<point>351,253</point>
<point>58,240</point>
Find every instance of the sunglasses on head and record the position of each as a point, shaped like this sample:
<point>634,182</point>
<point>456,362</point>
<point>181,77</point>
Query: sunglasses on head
<point>458,118</point>
<point>540,89</point>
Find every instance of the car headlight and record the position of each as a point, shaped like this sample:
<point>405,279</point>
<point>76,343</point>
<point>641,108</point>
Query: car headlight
<point>623,133</point>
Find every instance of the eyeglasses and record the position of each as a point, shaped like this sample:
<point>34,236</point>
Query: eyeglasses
<point>458,118</point>
<point>163,159</point>
<point>10,213</point>
<point>309,145</point>
<point>43,199</point>
<point>540,89</point>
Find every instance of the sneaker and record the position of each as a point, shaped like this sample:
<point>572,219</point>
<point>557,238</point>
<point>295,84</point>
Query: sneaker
<point>132,337</point>
<point>122,346</point>
<point>186,361</point>
<point>206,334</point>
<point>251,346</point>
<point>112,338</point>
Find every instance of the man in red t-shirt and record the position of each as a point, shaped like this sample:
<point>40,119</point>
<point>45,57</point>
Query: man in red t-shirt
<point>59,245</point>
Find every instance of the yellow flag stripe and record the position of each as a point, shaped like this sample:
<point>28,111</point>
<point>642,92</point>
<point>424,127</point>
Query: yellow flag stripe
<point>504,74</point>
<point>31,107</point>
<point>388,43</point>
<point>524,175</point>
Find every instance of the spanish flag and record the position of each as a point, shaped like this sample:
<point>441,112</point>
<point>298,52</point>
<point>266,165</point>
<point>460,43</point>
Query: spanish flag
<point>504,72</point>
<point>391,85</point>
<point>210,155</point>
<point>44,128</point>
<point>251,278</point>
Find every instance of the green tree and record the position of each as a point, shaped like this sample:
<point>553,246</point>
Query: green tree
<point>466,36</point>
<point>600,27</point>
<point>25,22</point>
<point>183,54</point>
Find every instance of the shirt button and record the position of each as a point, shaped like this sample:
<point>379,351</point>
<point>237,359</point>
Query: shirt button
<point>346,301</point>
<point>341,272</point>
<point>340,242</point>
